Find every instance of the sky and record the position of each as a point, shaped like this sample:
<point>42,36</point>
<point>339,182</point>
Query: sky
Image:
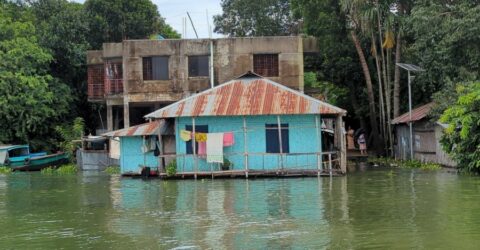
<point>175,10</point>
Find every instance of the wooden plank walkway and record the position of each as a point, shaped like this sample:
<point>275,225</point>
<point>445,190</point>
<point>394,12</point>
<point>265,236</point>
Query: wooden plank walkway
<point>251,174</point>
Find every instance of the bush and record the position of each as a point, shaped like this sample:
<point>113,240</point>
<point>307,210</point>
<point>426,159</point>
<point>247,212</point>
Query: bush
<point>462,136</point>
<point>171,168</point>
<point>389,162</point>
<point>114,170</point>
<point>5,170</point>
<point>62,170</point>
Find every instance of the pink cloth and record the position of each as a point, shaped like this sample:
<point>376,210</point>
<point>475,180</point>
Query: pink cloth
<point>228,139</point>
<point>202,149</point>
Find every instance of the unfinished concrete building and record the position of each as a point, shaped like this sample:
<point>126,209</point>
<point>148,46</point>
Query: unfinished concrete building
<point>136,77</point>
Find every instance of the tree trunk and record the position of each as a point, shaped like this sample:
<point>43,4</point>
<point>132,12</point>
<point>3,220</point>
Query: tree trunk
<point>368,82</point>
<point>380,87</point>
<point>396,82</point>
<point>385,99</point>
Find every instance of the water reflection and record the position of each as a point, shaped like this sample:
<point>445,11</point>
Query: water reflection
<point>372,208</point>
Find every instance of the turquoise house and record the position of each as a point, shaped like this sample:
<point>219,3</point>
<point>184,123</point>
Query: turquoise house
<point>139,146</point>
<point>275,130</point>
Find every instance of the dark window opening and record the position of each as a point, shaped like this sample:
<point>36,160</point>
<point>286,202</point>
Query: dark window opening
<point>197,66</point>
<point>265,64</point>
<point>272,138</point>
<point>198,128</point>
<point>155,68</point>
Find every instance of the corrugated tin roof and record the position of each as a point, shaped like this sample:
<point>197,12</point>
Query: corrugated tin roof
<point>150,128</point>
<point>417,114</point>
<point>246,96</point>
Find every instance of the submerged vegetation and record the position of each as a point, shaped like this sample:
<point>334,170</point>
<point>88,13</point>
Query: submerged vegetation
<point>67,169</point>
<point>113,170</point>
<point>389,162</point>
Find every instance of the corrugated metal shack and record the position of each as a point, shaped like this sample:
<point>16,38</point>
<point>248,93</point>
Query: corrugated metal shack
<point>276,130</point>
<point>426,137</point>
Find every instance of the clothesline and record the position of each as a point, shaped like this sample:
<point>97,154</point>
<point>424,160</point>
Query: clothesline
<point>254,128</point>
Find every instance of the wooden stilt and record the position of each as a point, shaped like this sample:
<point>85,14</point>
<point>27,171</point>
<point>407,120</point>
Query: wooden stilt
<point>194,147</point>
<point>245,147</point>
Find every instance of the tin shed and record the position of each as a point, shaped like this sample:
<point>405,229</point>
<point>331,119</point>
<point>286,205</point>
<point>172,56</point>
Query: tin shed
<point>274,128</point>
<point>426,137</point>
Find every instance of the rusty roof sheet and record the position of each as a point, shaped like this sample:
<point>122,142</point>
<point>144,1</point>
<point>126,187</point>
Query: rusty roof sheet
<point>247,96</point>
<point>417,114</point>
<point>150,128</point>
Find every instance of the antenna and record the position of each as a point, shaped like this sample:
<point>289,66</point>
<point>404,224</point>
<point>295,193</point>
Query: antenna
<point>193,26</point>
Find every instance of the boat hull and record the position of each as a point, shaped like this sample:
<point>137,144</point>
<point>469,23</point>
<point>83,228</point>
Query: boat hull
<point>38,163</point>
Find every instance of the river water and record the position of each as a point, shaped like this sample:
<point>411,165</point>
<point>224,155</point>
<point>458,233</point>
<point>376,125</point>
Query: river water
<point>375,208</point>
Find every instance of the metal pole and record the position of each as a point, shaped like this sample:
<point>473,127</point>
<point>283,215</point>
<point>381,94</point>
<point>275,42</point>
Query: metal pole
<point>410,115</point>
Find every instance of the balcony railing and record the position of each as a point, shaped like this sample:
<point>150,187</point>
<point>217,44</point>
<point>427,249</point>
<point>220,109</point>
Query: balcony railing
<point>113,86</point>
<point>96,91</point>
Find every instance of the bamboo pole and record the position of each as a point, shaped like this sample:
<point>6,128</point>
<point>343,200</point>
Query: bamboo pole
<point>319,136</point>
<point>245,146</point>
<point>280,141</point>
<point>194,147</point>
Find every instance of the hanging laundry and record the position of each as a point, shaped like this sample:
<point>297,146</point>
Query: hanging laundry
<point>215,148</point>
<point>228,139</point>
<point>185,135</point>
<point>200,137</point>
<point>202,149</point>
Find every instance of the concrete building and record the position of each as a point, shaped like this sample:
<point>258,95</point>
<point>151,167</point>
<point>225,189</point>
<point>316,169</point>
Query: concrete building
<point>136,77</point>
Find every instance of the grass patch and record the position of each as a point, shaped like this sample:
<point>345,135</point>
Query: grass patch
<point>114,170</point>
<point>171,168</point>
<point>5,170</point>
<point>66,169</point>
<point>389,162</point>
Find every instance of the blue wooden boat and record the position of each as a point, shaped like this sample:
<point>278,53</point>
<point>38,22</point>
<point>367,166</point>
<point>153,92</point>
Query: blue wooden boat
<point>18,157</point>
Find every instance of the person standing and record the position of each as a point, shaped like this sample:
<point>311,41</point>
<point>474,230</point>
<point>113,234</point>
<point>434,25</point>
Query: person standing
<point>350,141</point>
<point>362,142</point>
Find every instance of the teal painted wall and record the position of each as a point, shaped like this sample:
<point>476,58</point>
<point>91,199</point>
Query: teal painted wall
<point>131,155</point>
<point>303,138</point>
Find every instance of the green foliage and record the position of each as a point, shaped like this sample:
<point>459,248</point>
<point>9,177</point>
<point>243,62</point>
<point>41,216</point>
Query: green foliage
<point>31,100</point>
<point>5,170</point>
<point>444,40</point>
<point>69,133</point>
<point>113,170</point>
<point>330,92</point>
<point>389,162</point>
<point>67,169</point>
<point>116,20</point>
<point>256,18</point>
<point>462,136</point>
<point>49,170</point>
<point>171,168</point>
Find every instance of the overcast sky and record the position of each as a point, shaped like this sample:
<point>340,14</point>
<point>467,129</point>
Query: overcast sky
<point>175,10</point>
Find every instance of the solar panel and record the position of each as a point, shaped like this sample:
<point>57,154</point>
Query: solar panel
<point>409,67</point>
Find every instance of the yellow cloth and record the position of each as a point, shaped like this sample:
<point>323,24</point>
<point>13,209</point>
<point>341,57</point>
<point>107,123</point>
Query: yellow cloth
<point>185,135</point>
<point>200,137</point>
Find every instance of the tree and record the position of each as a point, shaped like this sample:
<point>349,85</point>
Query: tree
<point>462,137</point>
<point>31,100</point>
<point>255,18</point>
<point>443,39</point>
<point>117,20</point>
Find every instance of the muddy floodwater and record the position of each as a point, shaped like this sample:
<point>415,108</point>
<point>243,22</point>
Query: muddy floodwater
<point>373,208</point>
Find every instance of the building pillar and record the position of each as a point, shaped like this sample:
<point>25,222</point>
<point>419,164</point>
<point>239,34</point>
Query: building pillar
<point>109,118</point>
<point>126,115</point>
